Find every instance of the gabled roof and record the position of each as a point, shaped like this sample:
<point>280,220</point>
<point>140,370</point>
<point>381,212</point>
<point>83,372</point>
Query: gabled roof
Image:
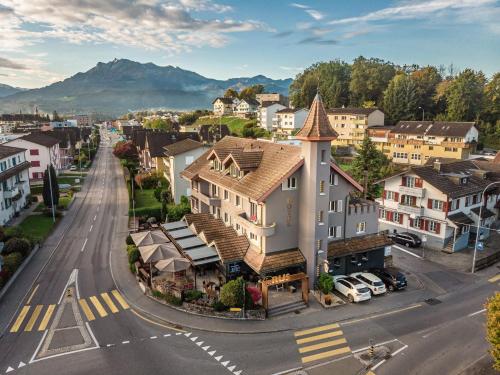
<point>357,245</point>
<point>139,137</point>
<point>224,100</point>
<point>433,128</point>
<point>352,111</point>
<point>250,102</point>
<point>290,110</point>
<point>40,139</point>
<point>245,160</point>
<point>157,140</point>
<point>266,104</point>
<point>317,126</point>
<point>182,146</point>
<point>6,151</point>
<point>266,263</point>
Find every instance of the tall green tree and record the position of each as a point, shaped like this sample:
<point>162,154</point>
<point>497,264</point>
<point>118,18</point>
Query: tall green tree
<point>491,112</point>
<point>231,93</point>
<point>426,80</point>
<point>464,97</point>
<point>159,124</point>
<point>374,162</point>
<point>251,91</point>
<point>493,328</point>
<point>369,79</point>
<point>400,99</point>
<point>47,184</point>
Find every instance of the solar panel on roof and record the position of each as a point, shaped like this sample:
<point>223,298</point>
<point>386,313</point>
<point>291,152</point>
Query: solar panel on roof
<point>202,252</point>
<point>188,243</point>
<point>174,225</point>
<point>181,233</point>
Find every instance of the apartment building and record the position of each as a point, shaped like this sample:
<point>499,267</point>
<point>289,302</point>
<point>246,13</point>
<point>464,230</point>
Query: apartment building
<point>178,156</point>
<point>380,136</point>
<point>289,120</point>
<point>351,124</point>
<point>14,182</point>
<point>272,208</point>
<point>42,150</point>
<point>272,97</point>
<point>266,114</point>
<point>246,108</point>
<point>223,106</point>
<point>64,124</point>
<point>440,201</point>
<point>414,142</point>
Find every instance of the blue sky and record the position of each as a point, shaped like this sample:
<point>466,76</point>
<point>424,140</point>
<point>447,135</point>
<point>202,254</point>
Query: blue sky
<point>43,41</point>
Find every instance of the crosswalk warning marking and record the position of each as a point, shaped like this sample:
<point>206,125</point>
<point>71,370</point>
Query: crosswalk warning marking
<point>494,278</point>
<point>86,310</point>
<point>120,299</point>
<point>322,345</point>
<point>319,337</point>
<point>316,329</point>
<point>109,302</point>
<point>34,317</point>
<point>46,318</point>
<point>20,319</point>
<point>328,354</point>
<point>100,309</point>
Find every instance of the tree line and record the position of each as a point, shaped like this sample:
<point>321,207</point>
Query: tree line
<point>405,92</point>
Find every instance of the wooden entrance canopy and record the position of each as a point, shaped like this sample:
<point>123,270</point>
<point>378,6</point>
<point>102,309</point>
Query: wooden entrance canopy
<point>283,279</point>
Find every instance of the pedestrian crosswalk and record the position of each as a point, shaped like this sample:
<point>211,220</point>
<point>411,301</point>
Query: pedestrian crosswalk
<point>494,279</point>
<point>37,317</point>
<point>321,342</point>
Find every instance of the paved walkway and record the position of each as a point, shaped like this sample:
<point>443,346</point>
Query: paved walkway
<point>25,213</point>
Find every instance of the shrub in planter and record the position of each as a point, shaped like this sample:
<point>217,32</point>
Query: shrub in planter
<point>133,254</point>
<point>325,283</point>
<point>328,300</point>
<point>132,268</point>
<point>231,293</point>
<point>192,295</point>
<point>219,306</point>
<point>157,294</point>
<point>173,300</point>
<point>12,261</point>
<point>129,240</point>
<point>17,245</point>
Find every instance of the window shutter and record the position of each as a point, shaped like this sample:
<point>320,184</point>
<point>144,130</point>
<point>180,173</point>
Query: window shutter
<point>411,222</point>
<point>380,212</point>
<point>418,182</point>
<point>426,225</point>
<point>413,201</point>
<point>403,181</point>
<point>339,205</point>
<point>390,215</point>
<point>396,197</point>
<point>400,219</point>
<point>445,206</point>
<point>429,203</point>
<point>384,194</point>
<point>438,228</point>
<point>422,224</point>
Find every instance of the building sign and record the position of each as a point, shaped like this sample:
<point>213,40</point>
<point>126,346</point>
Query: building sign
<point>280,279</point>
<point>234,268</point>
<point>387,251</point>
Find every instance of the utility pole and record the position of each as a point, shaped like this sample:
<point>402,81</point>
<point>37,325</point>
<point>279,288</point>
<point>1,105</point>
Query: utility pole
<point>423,113</point>
<point>51,194</point>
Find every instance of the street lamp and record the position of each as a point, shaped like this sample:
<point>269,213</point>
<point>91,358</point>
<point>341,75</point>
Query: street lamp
<point>423,113</point>
<point>479,224</point>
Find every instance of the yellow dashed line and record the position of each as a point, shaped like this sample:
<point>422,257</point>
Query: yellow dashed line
<point>34,317</point>
<point>86,309</point>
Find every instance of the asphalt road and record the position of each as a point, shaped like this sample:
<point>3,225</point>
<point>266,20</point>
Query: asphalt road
<point>90,329</point>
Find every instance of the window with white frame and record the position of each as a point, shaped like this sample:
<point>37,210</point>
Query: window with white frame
<point>331,232</point>
<point>437,205</point>
<point>323,157</point>
<point>226,195</point>
<point>338,231</point>
<point>238,200</point>
<point>383,214</point>
<point>410,181</point>
<point>432,226</point>
<point>290,184</point>
<point>416,223</point>
<point>336,206</point>
<point>361,227</point>
<point>389,195</point>
<point>468,201</point>
<point>396,217</point>
<point>455,204</point>
<point>334,179</point>
<point>226,217</point>
<point>407,200</point>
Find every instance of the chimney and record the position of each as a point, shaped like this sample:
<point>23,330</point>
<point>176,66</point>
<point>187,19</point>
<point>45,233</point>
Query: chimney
<point>437,165</point>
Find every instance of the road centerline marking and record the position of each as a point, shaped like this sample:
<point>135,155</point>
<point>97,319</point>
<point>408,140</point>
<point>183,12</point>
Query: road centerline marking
<point>46,317</point>
<point>85,243</point>
<point>33,318</point>
<point>109,302</point>
<point>32,294</point>
<point>20,319</point>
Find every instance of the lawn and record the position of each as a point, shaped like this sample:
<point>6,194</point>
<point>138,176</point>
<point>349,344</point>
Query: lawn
<point>37,226</point>
<point>235,124</point>
<point>69,180</point>
<point>346,167</point>
<point>146,198</point>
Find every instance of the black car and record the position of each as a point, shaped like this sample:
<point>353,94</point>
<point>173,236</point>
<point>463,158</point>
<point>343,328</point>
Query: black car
<point>406,238</point>
<point>392,277</point>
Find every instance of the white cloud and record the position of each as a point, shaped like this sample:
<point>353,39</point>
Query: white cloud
<point>315,14</point>
<point>292,68</point>
<point>10,64</point>
<point>300,6</point>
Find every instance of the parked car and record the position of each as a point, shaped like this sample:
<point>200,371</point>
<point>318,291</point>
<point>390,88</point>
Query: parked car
<point>73,168</point>
<point>406,238</point>
<point>352,288</point>
<point>371,281</point>
<point>392,277</point>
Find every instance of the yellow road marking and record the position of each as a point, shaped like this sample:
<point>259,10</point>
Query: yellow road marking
<point>32,294</point>
<point>86,309</point>
<point>34,317</point>
<point>46,317</point>
<point>317,329</point>
<point>120,299</point>
<point>98,306</point>
<point>20,319</point>
<point>153,322</point>
<point>331,353</point>
<point>327,344</point>
<point>111,305</point>
<point>319,337</point>
<point>494,278</point>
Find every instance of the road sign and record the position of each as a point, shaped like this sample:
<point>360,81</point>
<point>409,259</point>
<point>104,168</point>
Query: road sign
<point>424,238</point>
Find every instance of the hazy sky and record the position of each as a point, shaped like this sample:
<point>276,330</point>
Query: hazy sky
<point>43,41</point>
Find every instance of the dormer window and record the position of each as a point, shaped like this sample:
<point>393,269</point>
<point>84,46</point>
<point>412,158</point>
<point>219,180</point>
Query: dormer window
<point>234,171</point>
<point>463,181</point>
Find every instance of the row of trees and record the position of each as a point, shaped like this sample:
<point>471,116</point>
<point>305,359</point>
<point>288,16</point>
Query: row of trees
<point>158,124</point>
<point>403,92</point>
<point>246,93</point>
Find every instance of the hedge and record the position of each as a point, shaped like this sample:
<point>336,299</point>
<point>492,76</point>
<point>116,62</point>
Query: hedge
<point>12,261</point>
<point>18,245</point>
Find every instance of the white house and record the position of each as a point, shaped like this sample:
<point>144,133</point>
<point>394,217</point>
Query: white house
<point>246,108</point>
<point>14,182</point>
<point>266,113</point>
<point>42,151</point>
<point>288,120</point>
<point>223,106</point>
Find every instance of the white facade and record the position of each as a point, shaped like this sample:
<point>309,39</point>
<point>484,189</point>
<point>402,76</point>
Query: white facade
<point>223,106</point>
<point>64,124</point>
<point>245,108</point>
<point>14,185</point>
<point>289,121</point>
<point>266,114</point>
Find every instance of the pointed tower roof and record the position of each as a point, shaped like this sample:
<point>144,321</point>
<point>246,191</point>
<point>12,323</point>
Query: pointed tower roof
<point>317,126</point>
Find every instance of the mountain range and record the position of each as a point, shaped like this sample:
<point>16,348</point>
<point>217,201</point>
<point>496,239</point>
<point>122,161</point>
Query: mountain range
<point>123,85</point>
<point>6,90</point>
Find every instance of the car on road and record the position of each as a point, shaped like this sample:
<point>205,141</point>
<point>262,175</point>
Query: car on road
<point>73,168</point>
<point>406,238</point>
<point>371,281</point>
<point>392,277</point>
<point>352,288</point>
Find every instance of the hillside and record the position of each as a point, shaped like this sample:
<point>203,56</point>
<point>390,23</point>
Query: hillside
<point>6,90</point>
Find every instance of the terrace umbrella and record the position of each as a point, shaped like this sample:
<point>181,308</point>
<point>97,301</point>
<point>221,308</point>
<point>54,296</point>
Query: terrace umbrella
<point>156,252</point>
<point>173,265</point>
<point>149,238</point>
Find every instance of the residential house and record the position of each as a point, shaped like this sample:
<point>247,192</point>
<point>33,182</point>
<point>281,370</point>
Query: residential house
<point>272,97</point>
<point>210,134</point>
<point>223,106</point>
<point>414,142</point>
<point>83,120</point>
<point>440,201</point>
<point>268,208</point>
<point>14,182</point>
<point>266,113</point>
<point>351,124</point>
<point>380,135</point>
<point>177,156</point>
<point>289,120</point>
<point>151,155</point>
<point>246,108</point>
<point>42,151</point>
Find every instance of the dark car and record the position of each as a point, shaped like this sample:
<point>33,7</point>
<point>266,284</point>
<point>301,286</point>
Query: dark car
<point>392,277</point>
<point>407,239</point>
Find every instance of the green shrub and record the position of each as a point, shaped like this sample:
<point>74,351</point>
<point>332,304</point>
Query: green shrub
<point>231,293</point>
<point>493,328</point>
<point>129,240</point>
<point>147,212</point>
<point>219,306</point>
<point>12,261</point>
<point>192,295</point>
<point>133,254</point>
<point>12,232</point>
<point>36,190</point>
<point>325,283</point>
<point>132,268</point>
<point>17,245</point>
<point>173,300</point>
<point>157,294</point>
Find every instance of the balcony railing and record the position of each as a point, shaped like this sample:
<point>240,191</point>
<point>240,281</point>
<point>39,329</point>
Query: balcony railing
<point>11,192</point>
<point>414,191</point>
<point>254,225</point>
<point>209,201</point>
<point>410,210</point>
